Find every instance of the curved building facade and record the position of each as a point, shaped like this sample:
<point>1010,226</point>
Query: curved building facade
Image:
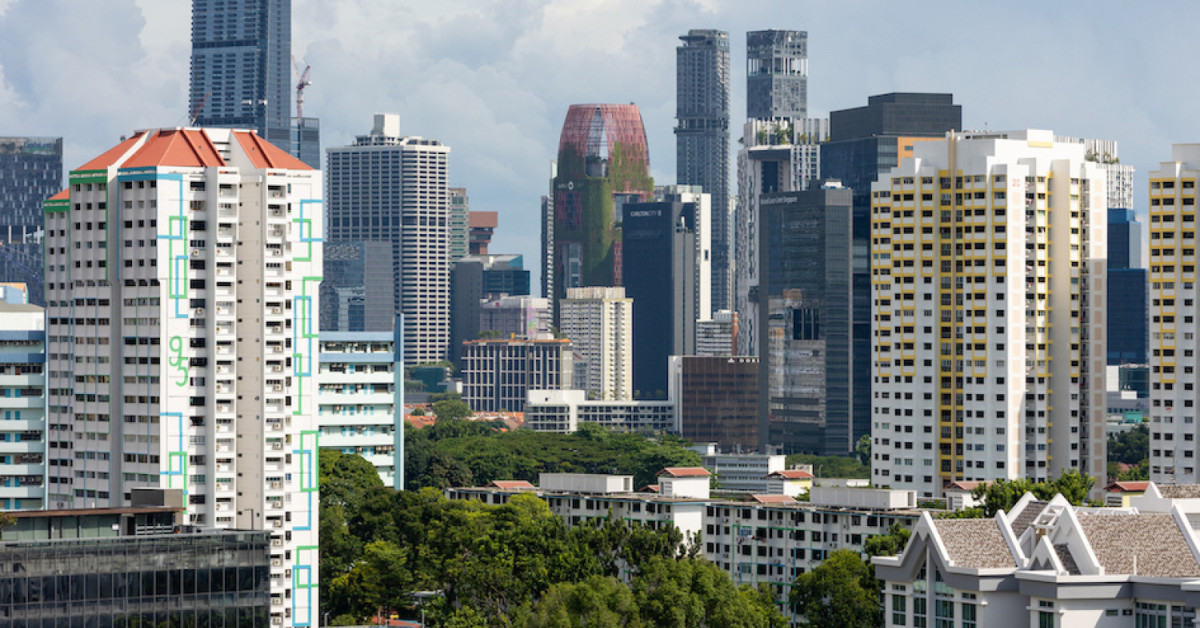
<point>603,163</point>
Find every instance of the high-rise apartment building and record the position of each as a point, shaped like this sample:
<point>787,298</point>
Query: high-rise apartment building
<point>599,323</point>
<point>393,188</point>
<point>23,432</point>
<point>776,74</point>
<point>805,361</point>
<point>988,276</point>
<point>182,270</point>
<point>357,398</point>
<point>603,163</point>
<point>1173,325</point>
<point>30,173</point>
<point>666,248</point>
<point>702,141</point>
<point>1128,322</point>
<point>865,142</point>
<point>241,67</point>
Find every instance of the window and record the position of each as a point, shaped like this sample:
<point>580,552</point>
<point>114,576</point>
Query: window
<point>968,615</point>
<point>898,609</point>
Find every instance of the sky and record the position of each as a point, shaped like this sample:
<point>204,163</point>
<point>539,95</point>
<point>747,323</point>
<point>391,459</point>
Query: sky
<point>493,79</point>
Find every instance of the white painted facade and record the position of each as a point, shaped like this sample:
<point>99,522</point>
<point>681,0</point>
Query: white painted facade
<point>1173,326</point>
<point>988,267</point>
<point>562,411</point>
<point>599,323</point>
<point>356,397</point>
<point>182,269</point>
<point>22,406</point>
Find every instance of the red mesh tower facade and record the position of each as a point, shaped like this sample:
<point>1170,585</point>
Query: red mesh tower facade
<point>603,163</point>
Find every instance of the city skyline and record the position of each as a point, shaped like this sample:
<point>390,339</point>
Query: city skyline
<point>513,73</point>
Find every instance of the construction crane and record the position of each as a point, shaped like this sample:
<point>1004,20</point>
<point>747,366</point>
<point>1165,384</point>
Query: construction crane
<point>195,112</point>
<point>302,80</point>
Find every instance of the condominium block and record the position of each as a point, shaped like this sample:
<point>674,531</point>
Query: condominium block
<point>23,407</point>
<point>357,398</point>
<point>776,74</point>
<point>1173,328</point>
<point>987,282</point>
<point>394,188</point>
<point>599,323</point>
<point>459,224</point>
<point>182,269</point>
<point>497,375</point>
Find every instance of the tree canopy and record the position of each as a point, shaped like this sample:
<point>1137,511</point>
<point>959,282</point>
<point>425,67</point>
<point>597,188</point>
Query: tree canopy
<point>459,453</point>
<point>515,564</point>
<point>1004,494</point>
<point>839,593</point>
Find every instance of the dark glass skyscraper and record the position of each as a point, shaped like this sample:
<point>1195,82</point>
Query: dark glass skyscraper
<point>805,360</point>
<point>864,142</point>
<point>241,66</point>
<point>660,245</point>
<point>1128,327</point>
<point>776,74</point>
<point>30,173</point>
<point>702,141</point>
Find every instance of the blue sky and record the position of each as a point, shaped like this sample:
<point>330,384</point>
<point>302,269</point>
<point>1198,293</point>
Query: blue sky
<point>493,79</point>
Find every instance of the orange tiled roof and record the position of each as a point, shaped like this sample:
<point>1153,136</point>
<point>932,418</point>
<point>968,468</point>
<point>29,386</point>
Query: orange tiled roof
<point>791,474</point>
<point>510,484</point>
<point>963,485</point>
<point>264,154</point>
<point>1127,487</point>
<point>685,472</point>
<point>773,499</point>
<point>176,147</point>
<point>110,156</point>
<point>61,196</point>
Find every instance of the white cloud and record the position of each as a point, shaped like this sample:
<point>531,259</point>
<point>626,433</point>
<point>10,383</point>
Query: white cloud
<point>494,79</point>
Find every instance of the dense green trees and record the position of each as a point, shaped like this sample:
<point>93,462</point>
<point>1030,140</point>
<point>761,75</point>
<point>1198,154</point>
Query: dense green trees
<point>456,452</point>
<point>839,593</point>
<point>1004,494</point>
<point>510,565</point>
<point>835,466</point>
<point>1132,448</point>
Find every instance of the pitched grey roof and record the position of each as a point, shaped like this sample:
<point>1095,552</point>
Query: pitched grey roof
<point>1026,516</point>
<point>1068,561</point>
<point>1153,538</point>
<point>1180,491</point>
<point>974,543</point>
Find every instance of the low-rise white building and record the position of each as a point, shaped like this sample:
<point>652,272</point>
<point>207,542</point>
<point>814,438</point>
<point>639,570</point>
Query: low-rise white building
<point>561,411</point>
<point>1046,564</point>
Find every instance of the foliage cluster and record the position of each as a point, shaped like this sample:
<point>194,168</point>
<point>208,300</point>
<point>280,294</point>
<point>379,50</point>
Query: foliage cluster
<point>833,466</point>
<point>1132,448</point>
<point>1004,494</point>
<point>455,452</point>
<point>516,564</point>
